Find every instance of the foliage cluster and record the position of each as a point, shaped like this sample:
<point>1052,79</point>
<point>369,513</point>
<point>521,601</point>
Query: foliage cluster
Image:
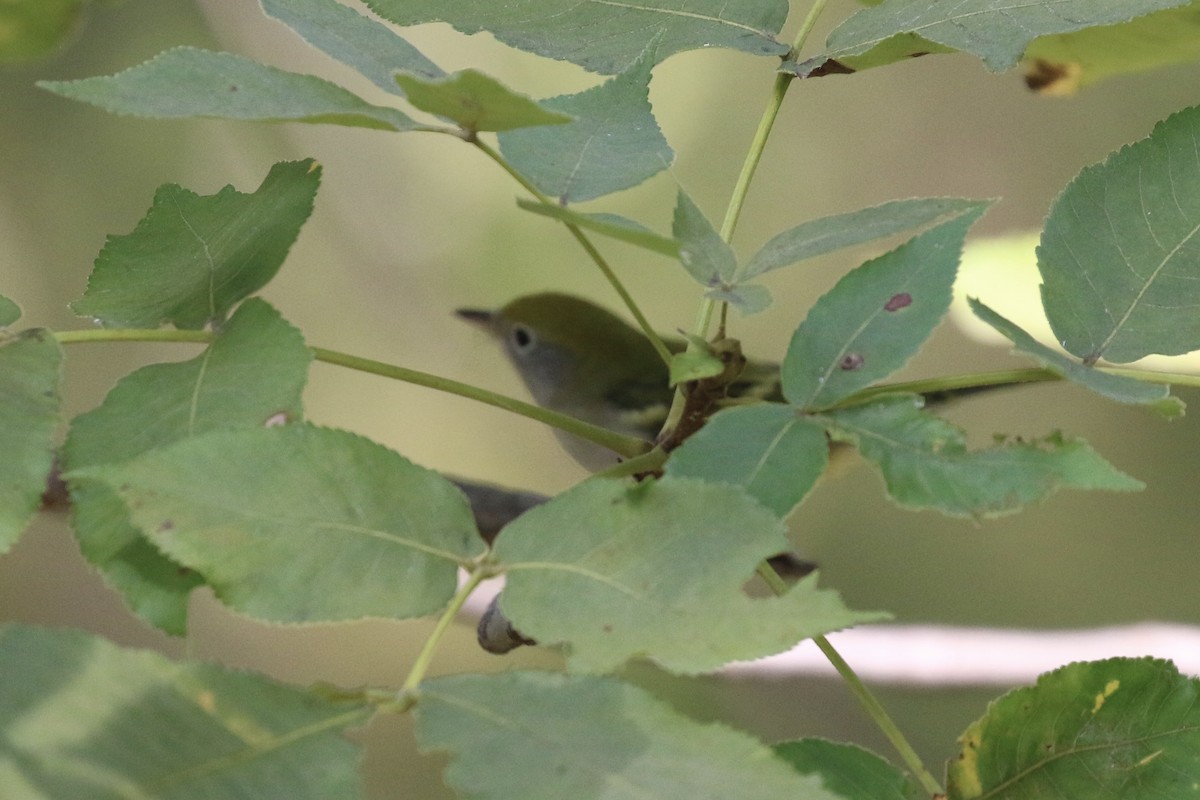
<point>205,472</point>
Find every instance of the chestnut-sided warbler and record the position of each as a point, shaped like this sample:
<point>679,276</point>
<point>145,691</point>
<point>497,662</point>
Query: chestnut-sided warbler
<point>579,359</point>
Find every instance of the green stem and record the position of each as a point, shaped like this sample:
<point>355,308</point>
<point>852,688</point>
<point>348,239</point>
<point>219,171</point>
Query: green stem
<point>589,248</point>
<point>408,690</point>
<point>870,704</point>
<point>626,446</point>
<point>880,717</point>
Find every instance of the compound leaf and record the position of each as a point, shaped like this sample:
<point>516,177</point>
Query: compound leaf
<point>1115,387</point>
<point>926,464</point>
<point>773,453</point>
<point>358,41</point>
<point>30,404</point>
<point>601,567</point>
<point>300,524</point>
<point>828,234</point>
<point>250,376</point>
<point>997,31</point>
<point>602,36</point>
<point>611,225</point>
<point>613,143</point>
<point>193,257</point>
<point>1107,729</point>
<point>875,318</point>
<point>476,101</point>
<point>849,770</point>
<point>1119,256</point>
<point>704,254</point>
<point>540,736</point>
<point>189,82</point>
<point>84,718</point>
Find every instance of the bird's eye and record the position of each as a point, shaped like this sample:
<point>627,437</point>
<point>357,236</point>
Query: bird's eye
<point>522,338</point>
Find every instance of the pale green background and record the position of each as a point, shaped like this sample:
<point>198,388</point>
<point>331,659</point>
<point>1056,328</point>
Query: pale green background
<point>408,227</point>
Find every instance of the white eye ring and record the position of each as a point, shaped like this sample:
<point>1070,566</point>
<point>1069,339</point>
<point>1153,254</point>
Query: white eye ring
<point>522,337</point>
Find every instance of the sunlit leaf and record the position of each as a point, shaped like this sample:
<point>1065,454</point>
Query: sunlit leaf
<point>30,366</point>
<point>476,101</point>
<point>1106,729</point>
<point>1119,257</point>
<point>602,36</point>
<point>768,449</point>
<point>1115,387</point>
<point>356,40</point>
<point>925,462</point>
<point>187,82</point>
<point>613,143</point>
<point>540,736</point>
<point>82,718</point>
<point>875,318</point>
<point>828,234</point>
<point>612,225</point>
<point>1060,64</point>
<point>997,31</point>
<point>192,257</point>
<point>849,770</point>
<point>252,375</point>
<point>601,568</point>
<point>300,524</point>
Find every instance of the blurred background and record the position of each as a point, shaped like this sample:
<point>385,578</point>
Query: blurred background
<point>408,227</point>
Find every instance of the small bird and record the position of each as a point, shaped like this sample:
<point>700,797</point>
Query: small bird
<point>582,360</point>
<point>579,359</point>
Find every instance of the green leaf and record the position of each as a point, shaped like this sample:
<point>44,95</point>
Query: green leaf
<point>1119,728</point>
<point>611,225</point>
<point>85,719</point>
<point>476,101</point>
<point>30,367</point>
<point>1062,63</point>
<point>251,375</point>
<point>828,234</point>
<point>692,365</point>
<point>1115,387</point>
<point>997,31</point>
<point>875,318</point>
<point>1119,257</point>
<point>602,567</point>
<point>601,36</point>
<point>704,254</point>
<point>10,312</point>
<point>192,257</point>
<point>850,771</point>
<point>747,298</point>
<point>301,524</point>
<point>35,28</point>
<point>613,143</point>
<point>357,41</point>
<point>188,82</point>
<point>540,736</point>
<point>926,464</point>
<point>769,450</point>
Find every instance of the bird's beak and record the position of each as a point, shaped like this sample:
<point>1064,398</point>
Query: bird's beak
<point>480,318</point>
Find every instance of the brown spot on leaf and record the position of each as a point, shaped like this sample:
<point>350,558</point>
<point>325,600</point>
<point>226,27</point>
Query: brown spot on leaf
<point>1049,78</point>
<point>831,67</point>
<point>850,362</point>
<point>898,301</point>
<point>166,525</point>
